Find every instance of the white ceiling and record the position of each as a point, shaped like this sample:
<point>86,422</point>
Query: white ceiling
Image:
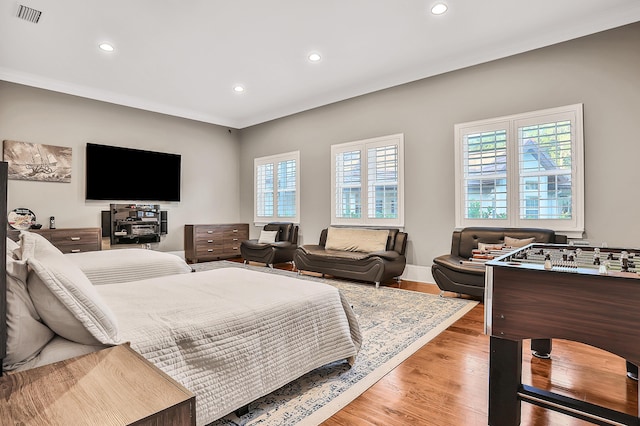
<point>183,57</point>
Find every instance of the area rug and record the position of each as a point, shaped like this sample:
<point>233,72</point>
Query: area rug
<point>394,323</point>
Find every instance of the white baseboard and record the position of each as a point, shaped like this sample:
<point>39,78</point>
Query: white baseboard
<point>418,273</point>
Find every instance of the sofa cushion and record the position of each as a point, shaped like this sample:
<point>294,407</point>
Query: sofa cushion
<point>517,242</point>
<point>356,239</point>
<point>319,251</point>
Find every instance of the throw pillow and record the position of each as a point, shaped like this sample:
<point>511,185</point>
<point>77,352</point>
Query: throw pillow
<point>354,239</point>
<point>486,247</point>
<point>267,237</point>
<point>26,334</point>
<point>64,297</point>
<point>517,242</point>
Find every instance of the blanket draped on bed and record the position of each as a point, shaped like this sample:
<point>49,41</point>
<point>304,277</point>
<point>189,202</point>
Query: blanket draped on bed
<point>232,335</point>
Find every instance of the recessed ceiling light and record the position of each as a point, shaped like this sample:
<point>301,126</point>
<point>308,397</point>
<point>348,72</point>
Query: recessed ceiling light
<point>439,8</point>
<point>106,47</point>
<point>238,88</point>
<point>314,57</point>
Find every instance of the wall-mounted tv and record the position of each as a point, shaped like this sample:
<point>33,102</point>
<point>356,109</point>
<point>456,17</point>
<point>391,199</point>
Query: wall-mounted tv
<point>116,173</point>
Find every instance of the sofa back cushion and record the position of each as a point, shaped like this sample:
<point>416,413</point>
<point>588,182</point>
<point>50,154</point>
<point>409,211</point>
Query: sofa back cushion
<point>285,230</point>
<point>357,239</point>
<point>470,237</point>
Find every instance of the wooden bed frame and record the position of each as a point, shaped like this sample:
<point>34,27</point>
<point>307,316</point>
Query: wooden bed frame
<point>3,267</point>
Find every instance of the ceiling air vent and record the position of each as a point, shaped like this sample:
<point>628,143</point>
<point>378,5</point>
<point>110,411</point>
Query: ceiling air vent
<point>28,14</point>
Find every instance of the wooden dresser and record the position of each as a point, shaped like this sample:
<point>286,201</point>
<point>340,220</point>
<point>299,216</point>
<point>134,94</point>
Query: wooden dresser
<point>69,240</point>
<point>114,386</point>
<point>213,242</point>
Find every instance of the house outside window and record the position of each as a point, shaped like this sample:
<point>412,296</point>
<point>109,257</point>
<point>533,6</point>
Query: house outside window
<point>524,170</point>
<point>276,183</point>
<point>367,182</point>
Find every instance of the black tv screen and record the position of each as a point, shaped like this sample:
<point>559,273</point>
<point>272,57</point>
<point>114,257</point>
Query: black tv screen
<point>116,173</point>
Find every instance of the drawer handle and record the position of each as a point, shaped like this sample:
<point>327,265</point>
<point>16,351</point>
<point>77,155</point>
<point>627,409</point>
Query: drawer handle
<point>209,250</point>
<point>235,230</point>
<point>75,238</point>
<point>209,232</point>
<point>75,251</point>
<point>209,241</point>
<point>235,248</point>
<point>235,239</point>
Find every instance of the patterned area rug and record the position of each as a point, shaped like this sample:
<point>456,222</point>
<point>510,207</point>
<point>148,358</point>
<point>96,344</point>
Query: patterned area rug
<point>394,323</point>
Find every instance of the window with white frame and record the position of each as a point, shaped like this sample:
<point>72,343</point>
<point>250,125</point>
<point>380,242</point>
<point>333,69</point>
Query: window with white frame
<point>524,170</point>
<point>276,183</point>
<point>367,181</point>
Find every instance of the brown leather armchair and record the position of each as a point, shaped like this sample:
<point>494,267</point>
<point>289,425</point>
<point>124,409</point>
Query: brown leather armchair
<point>452,274</point>
<point>279,251</point>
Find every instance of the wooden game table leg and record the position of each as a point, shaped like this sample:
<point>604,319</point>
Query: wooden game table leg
<point>505,377</point>
<point>632,371</point>
<point>541,348</point>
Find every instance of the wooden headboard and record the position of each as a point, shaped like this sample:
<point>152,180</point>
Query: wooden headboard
<point>3,267</point>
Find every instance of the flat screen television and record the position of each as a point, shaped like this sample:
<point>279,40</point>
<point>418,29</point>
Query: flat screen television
<point>116,173</point>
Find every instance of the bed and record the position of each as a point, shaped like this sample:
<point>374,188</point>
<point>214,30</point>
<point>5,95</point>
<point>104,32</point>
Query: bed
<point>229,335</point>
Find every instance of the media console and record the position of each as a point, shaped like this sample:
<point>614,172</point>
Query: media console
<point>134,223</point>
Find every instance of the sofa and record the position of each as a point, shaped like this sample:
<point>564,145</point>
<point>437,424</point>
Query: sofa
<point>452,271</point>
<point>277,243</point>
<point>363,254</point>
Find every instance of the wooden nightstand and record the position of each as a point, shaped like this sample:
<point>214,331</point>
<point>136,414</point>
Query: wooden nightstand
<point>114,386</point>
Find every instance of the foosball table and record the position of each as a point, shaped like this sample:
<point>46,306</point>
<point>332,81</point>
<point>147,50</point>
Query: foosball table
<point>546,291</point>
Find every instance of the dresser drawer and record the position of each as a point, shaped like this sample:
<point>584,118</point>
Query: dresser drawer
<point>70,240</point>
<point>76,240</point>
<point>203,232</point>
<point>209,248</point>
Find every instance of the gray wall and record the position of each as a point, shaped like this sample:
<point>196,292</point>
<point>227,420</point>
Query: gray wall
<point>210,180</point>
<point>600,71</point>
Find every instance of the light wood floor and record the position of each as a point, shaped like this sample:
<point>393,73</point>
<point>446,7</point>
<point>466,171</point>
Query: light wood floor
<point>446,382</point>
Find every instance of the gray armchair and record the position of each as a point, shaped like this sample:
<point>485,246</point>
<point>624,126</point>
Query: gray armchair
<point>279,251</point>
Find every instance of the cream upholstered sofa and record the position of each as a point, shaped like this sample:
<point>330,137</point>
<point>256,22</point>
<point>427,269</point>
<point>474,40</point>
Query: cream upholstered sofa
<point>364,254</point>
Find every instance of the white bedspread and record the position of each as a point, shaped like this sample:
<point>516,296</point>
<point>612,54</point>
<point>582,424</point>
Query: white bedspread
<point>232,335</point>
<point>124,265</point>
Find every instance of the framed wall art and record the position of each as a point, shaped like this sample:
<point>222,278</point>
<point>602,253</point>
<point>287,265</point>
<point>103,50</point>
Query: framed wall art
<point>39,162</point>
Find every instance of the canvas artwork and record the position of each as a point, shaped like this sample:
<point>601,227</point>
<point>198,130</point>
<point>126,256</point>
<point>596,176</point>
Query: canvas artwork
<point>33,161</point>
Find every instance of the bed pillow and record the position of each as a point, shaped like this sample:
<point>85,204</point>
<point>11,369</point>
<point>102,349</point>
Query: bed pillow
<point>267,237</point>
<point>64,297</point>
<point>517,242</point>
<point>355,239</point>
<point>26,334</point>
<point>12,246</point>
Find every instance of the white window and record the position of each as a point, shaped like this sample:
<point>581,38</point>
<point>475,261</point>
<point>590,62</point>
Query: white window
<point>367,181</point>
<point>524,170</point>
<point>276,181</point>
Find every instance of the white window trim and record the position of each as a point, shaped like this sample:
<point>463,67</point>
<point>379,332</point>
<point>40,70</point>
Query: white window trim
<point>274,159</point>
<point>573,228</point>
<point>363,145</point>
